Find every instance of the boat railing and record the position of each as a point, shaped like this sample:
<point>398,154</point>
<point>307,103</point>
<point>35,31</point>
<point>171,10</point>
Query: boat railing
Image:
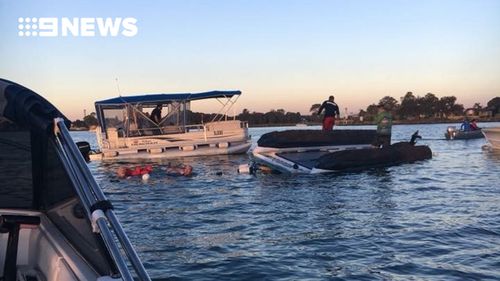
<point>113,134</point>
<point>99,210</point>
<point>197,128</point>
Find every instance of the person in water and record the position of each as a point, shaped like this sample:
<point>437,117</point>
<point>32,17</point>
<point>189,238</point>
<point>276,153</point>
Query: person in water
<point>331,110</point>
<point>473,125</point>
<point>124,172</point>
<point>465,126</point>
<point>383,119</point>
<point>179,170</point>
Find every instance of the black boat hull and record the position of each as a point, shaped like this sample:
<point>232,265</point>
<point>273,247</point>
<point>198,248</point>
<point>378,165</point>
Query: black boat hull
<point>398,153</point>
<point>313,138</point>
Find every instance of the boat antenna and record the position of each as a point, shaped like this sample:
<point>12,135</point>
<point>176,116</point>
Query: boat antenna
<point>118,87</point>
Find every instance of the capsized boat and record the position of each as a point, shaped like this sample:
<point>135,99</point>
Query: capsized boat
<point>297,151</point>
<point>338,150</point>
<point>394,154</point>
<point>55,222</point>
<point>127,131</point>
<point>453,134</point>
<point>492,136</point>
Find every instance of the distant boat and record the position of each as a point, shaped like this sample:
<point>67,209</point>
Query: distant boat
<point>316,151</point>
<point>453,134</point>
<point>493,136</point>
<point>301,125</point>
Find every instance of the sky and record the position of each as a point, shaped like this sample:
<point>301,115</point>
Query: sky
<point>282,54</point>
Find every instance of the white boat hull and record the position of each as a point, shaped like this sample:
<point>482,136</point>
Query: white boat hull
<point>44,253</point>
<point>275,157</point>
<point>493,136</point>
<point>173,152</point>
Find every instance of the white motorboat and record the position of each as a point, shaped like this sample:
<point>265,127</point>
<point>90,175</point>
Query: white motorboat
<point>493,136</point>
<point>55,222</point>
<point>126,130</point>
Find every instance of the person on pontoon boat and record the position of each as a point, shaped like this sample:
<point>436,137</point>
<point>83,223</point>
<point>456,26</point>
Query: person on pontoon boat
<point>156,114</point>
<point>383,119</point>
<point>331,110</point>
<point>156,117</point>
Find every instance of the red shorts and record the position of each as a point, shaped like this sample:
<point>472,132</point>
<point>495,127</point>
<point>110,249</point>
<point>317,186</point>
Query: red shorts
<point>328,123</point>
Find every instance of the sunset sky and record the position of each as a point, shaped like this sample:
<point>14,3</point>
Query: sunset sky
<point>279,53</point>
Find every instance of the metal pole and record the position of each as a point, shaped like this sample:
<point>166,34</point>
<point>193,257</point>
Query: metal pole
<point>97,194</point>
<point>89,200</point>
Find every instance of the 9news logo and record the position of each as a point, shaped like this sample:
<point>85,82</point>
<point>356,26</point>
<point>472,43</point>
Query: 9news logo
<point>77,27</point>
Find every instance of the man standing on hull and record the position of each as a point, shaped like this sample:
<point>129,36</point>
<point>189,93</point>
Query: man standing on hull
<point>331,110</point>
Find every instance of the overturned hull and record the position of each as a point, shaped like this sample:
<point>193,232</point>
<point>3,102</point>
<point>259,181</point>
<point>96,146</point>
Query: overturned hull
<point>297,151</point>
<point>315,138</point>
<point>395,154</point>
<point>309,151</point>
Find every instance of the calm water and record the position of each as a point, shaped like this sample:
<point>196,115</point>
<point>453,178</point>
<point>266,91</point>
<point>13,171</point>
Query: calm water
<point>433,220</point>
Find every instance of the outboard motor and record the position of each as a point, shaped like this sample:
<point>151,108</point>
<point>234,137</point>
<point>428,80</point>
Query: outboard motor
<point>414,138</point>
<point>450,131</point>
<point>84,148</point>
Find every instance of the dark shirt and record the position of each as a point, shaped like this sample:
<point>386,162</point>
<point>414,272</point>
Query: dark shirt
<point>156,115</point>
<point>330,107</point>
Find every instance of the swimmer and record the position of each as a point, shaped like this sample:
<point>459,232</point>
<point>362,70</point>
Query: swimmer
<point>124,172</point>
<point>179,170</point>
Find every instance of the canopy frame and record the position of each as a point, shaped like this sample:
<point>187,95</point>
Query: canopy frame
<point>135,104</point>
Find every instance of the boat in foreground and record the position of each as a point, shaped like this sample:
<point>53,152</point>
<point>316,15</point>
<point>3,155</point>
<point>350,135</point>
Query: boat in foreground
<point>55,222</point>
<point>315,151</point>
<point>127,130</point>
<point>492,136</point>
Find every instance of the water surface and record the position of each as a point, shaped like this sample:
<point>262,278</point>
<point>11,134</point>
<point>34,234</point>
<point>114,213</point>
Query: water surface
<point>433,220</point>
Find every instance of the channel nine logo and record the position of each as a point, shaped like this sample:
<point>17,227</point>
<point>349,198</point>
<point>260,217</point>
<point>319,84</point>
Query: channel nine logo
<point>76,27</point>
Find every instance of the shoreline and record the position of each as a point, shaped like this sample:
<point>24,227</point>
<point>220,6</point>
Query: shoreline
<point>397,122</point>
<point>342,124</point>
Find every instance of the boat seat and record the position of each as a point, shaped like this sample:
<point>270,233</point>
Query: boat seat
<point>12,224</point>
<point>171,130</point>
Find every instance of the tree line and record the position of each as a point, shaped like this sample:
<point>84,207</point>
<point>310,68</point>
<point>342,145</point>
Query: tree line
<point>410,107</point>
<point>428,106</point>
<point>89,121</point>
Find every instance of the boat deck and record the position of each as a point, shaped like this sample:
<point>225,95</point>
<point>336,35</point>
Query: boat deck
<point>307,159</point>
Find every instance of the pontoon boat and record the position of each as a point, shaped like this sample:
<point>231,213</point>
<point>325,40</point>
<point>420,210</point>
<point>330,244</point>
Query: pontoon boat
<point>127,130</point>
<point>55,222</point>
